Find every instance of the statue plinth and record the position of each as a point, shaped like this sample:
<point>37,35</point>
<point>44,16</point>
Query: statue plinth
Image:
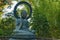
<point>22,35</point>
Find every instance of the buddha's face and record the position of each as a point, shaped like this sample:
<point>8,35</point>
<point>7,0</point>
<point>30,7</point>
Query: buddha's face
<point>24,14</point>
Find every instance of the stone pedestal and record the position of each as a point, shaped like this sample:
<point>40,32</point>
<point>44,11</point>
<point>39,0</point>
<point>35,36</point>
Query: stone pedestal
<point>22,35</point>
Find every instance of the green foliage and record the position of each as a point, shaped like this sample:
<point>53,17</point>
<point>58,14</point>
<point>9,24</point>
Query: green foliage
<point>1,32</point>
<point>7,25</point>
<point>46,17</point>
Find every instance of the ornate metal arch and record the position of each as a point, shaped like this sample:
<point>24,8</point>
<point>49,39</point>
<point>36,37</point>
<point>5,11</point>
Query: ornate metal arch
<point>19,3</point>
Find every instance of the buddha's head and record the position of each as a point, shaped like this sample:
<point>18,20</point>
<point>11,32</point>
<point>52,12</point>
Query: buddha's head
<point>24,14</point>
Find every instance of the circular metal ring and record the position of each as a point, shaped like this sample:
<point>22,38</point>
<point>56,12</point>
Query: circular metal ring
<point>19,3</point>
